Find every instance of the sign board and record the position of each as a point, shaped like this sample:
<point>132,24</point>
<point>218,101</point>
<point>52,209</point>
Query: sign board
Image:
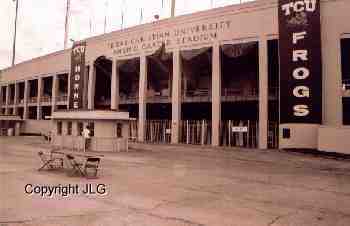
<point>240,129</point>
<point>300,61</point>
<point>77,76</point>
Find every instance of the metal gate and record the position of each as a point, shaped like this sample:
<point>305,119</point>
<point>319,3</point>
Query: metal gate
<point>273,135</point>
<point>239,133</point>
<point>158,131</point>
<point>195,132</point>
<point>133,130</point>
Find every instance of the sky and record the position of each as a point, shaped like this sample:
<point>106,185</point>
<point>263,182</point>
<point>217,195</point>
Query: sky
<point>40,27</point>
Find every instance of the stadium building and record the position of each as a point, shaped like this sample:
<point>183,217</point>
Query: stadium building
<point>263,74</point>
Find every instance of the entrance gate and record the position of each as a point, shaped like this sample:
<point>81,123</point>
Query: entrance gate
<point>239,133</point>
<point>158,131</point>
<point>195,132</point>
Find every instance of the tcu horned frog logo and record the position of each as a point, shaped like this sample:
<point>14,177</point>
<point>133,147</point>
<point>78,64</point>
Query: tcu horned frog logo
<point>297,12</point>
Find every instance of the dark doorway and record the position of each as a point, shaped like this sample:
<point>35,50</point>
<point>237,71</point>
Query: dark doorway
<point>103,70</point>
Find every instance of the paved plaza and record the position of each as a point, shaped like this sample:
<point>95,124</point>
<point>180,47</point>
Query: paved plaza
<point>178,185</point>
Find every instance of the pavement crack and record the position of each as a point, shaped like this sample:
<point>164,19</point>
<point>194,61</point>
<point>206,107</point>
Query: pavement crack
<point>275,220</point>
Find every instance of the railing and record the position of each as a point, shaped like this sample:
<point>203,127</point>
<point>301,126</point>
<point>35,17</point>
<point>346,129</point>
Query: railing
<point>32,99</point>
<point>131,99</point>
<point>45,99</point>
<point>195,132</point>
<point>158,99</point>
<point>199,95</point>
<point>239,133</point>
<point>11,102</point>
<point>62,98</point>
<point>158,131</point>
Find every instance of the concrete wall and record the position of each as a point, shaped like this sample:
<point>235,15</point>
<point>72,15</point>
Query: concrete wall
<point>301,136</point>
<point>36,126</point>
<point>334,139</point>
<point>42,66</point>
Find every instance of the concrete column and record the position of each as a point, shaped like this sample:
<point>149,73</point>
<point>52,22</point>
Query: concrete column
<point>17,128</point>
<point>176,98</point>
<point>16,99</point>
<point>7,99</point>
<point>263,93</point>
<point>115,86</point>
<point>75,128</point>
<point>142,98</point>
<point>91,87</point>
<point>40,94</point>
<point>68,91</point>
<point>26,97</point>
<point>64,128</point>
<point>54,93</point>
<point>216,95</point>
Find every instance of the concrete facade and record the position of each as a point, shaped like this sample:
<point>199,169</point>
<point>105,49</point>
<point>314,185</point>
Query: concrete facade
<point>253,21</point>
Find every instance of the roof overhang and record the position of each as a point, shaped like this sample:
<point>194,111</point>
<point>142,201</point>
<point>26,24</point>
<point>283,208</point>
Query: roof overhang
<point>10,118</point>
<point>90,115</point>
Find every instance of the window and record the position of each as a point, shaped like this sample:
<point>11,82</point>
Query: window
<point>91,127</point>
<point>59,128</point>
<point>345,65</point>
<point>119,130</point>
<point>69,128</point>
<point>345,72</point>
<point>80,128</point>
<point>346,110</point>
<point>286,133</point>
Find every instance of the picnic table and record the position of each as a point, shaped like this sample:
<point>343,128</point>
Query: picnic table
<point>91,162</point>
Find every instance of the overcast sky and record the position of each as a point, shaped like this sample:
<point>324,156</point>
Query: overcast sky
<point>41,22</point>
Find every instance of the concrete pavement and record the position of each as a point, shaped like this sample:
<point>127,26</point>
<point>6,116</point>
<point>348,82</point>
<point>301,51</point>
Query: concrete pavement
<point>179,185</point>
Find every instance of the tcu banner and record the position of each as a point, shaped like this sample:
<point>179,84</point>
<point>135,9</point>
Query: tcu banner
<point>77,75</point>
<point>300,61</point>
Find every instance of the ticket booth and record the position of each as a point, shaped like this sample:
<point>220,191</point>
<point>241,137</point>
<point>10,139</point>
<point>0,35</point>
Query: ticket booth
<point>109,130</point>
<point>10,125</point>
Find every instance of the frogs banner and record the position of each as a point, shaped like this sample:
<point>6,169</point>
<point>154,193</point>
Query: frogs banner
<point>300,61</point>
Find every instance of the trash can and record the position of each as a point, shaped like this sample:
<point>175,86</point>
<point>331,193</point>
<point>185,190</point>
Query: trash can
<point>10,132</point>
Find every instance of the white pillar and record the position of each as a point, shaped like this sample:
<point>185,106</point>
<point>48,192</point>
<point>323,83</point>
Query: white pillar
<point>263,93</point>
<point>91,87</point>
<point>142,98</point>
<point>115,85</point>
<point>40,94</point>
<point>26,97</point>
<point>16,99</point>
<point>176,97</point>
<point>216,95</point>
<point>1,98</point>
<point>54,93</point>
<point>7,99</point>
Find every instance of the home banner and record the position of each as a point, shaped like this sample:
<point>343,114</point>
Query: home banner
<point>300,61</point>
<point>77,76</point>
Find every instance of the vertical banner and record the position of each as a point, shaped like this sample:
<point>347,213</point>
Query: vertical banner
<point>77,76</point>
<point>300,61</point>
